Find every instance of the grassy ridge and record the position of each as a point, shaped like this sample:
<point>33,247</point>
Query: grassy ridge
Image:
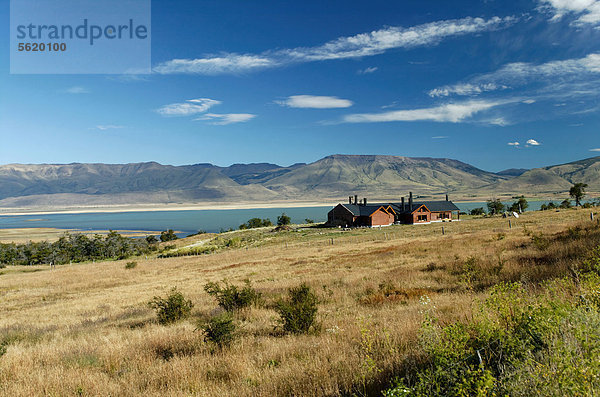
<point>86,329</point>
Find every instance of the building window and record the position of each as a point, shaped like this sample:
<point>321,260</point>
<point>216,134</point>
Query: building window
<point>422,218</point>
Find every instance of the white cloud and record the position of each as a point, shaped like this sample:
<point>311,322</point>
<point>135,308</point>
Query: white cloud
<point>315,102</point>
<point>189,107</point>
<point>108,127</point>
<point>452,112</point>
<point>587,11</point>
<point>529,101</point>
<point>229,118</point>
<point>513,143</point>
<point>533,142</point>
<point>465,89</point>
<point>577,76</point>
<point>595,150</point>
<point>439,137</point>
<point>227,63</point>
<point>360,45</point>
<point>77,90</point>
<point>368,70</point>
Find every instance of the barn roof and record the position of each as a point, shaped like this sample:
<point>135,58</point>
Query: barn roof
<point>433,206</point>
<point>364,210</point>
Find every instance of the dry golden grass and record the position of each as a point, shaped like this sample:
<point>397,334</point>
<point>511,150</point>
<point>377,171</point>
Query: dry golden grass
<point>86,329</point>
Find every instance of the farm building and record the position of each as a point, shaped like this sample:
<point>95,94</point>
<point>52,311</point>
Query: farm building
<point>409,212</point>
<point>425,211</point>
<point>363,214</point>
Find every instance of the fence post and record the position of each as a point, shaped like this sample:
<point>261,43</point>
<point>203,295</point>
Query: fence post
<point>443,231</point>
<point>509,224</point>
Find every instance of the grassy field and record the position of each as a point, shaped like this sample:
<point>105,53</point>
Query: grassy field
<point>86,329</point>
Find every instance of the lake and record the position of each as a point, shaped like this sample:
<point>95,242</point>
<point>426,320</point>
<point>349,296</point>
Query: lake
<point>185,222</point>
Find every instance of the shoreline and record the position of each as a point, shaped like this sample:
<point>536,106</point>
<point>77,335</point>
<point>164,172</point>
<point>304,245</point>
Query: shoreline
<point>162,207</point>
<point>198,207</point>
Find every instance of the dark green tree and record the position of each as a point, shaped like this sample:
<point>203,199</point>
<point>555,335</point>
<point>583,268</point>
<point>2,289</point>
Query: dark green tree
<point>168,235</point>
<point>495,206</point>
<point>577,191</point>
<point>283,219</point>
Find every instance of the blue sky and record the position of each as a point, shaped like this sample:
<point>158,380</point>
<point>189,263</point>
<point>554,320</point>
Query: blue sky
<point>493,83</point>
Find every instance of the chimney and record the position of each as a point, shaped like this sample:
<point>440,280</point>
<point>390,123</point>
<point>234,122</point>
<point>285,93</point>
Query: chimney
<point>410,201</point>
<point>349,199</point>
<point>446,197</point>
<point>365,201</point>
<point>403,207</point>
<point>356,199</point>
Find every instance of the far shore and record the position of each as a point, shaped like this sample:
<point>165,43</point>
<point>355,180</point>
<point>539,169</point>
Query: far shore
<point>207,206</point>
<point>160,207</point>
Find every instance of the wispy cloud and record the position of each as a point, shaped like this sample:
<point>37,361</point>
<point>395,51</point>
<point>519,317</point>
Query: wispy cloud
<point>439,137</point>
<point>586,11</point>
<point>189,107</point>
<point>76,90</point>
<point>451,113</point>
<point>513,144</point>
<point>221,64</point>
<point>228,118</point>
<point>368,70</point>
<point>533,142</point>
<point>108,127</point>
<point>360,45</point>
<point>518,74</point>
<point>595,150</point>
<point>315,102</point>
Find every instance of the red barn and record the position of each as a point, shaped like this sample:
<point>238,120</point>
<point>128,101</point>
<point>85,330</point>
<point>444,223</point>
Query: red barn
<point>349,215</point>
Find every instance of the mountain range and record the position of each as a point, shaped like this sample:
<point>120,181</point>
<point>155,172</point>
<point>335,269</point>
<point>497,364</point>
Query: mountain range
<point>329,179</point>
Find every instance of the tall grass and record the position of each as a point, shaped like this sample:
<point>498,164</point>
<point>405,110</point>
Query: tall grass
<point>86,328</point>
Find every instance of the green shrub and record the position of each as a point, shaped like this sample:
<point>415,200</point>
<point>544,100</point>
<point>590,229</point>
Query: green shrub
<point>172,308</point>
<point>168,235</point>
<point>220,329</point>
<point>299,311</point>
<point>230,297</point>
<point>130,265</point>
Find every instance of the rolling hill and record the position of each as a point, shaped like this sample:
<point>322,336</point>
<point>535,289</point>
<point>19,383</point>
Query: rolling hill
<point>331,178</point>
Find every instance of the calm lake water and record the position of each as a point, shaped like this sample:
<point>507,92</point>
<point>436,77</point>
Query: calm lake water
<point>185,222</point>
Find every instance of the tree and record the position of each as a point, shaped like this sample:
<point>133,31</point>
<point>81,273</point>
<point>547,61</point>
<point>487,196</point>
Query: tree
<point>495,206</point>
<point>256,222</point>
<point>577,191</point>
<point>520,205</point>
<point>283,219</point>
<point>168,235</point>
<point>309,221</point>
<point>151,239</point>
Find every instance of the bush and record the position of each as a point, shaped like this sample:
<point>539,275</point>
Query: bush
<point>256,222</point>
<point>299,311</point>
<point>130,265</point>
<point>172,308</point>
<point>220,329</point>
<point>231,297</point>
<point>168,235</point>
<point>477,211</point>
<point>566,203</point>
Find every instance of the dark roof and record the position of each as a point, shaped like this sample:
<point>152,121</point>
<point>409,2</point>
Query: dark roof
<point>363,210</point>
<point>433,206</point>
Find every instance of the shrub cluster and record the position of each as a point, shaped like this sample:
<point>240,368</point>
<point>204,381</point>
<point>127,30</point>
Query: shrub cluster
<point>172,308</point>
<point>298,312</point>
<point>230,297</point>
<point>518,343</point>
<point>74,247</point>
